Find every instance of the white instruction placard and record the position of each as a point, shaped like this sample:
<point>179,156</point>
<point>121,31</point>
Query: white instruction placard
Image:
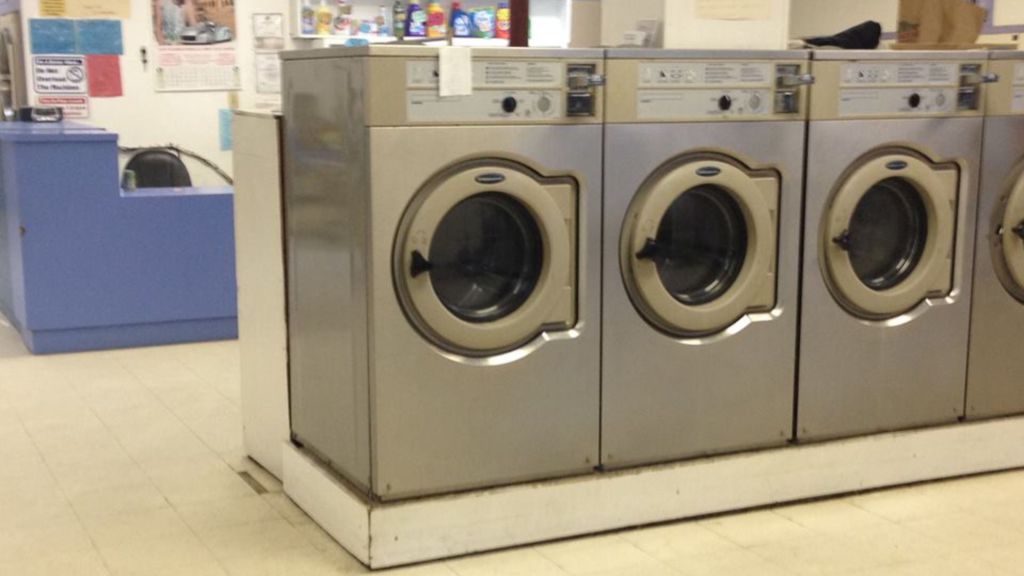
<point>455,71</point>
<point>59,74</point>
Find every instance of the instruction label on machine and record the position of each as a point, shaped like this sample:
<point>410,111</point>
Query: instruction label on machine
<point>699,104</point>
<point>882,101</point>
<point>492,74</point>
<point>655,74</point>
<point>900,73</point>
<point>1018,88</point>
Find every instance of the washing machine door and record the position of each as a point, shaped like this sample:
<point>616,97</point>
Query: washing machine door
<point>889,232</point>
<point>698,247</point>
<point>485,257</point>
<point>1009,240</point>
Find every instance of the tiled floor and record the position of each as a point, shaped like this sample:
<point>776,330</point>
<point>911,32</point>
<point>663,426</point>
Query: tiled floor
<point>127,462</point>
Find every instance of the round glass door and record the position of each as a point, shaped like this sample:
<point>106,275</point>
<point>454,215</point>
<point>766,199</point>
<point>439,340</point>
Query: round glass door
<point>701,245</point>
<point>1008,250</point>
<point>888,234</point>
<point>486,257</point>
<point>698,244</point>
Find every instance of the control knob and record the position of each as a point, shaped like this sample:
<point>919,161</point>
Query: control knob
<point>724,103</point>
<point>544,104</point>
<point>914,100</point>
<point>509,104</point>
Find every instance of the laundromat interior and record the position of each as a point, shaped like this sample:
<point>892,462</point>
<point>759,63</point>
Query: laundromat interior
<point>512,287</point>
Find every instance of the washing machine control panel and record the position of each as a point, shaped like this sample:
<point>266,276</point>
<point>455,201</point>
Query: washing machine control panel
<point>671,91</point>
<point>894,89</point>
<point>514,91</point>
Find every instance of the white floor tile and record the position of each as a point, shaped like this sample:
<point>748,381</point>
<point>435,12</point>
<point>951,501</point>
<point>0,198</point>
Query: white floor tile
<point>143,557</point>
<point>756,528</point>
<point>126,462</point>
<point>679,540</point>
<point>738,563</point>
<point>200,480</point>
<point>55,563</point>
<point>506,563</point>
<point>588,555</point>
<point>205,516</point>
<point>253,540</point>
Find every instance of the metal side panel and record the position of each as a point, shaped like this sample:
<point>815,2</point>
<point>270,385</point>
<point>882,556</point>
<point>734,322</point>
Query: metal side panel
<point>443,422</point>
<point>667,398</point>
<point>858,376</point>
<point>994,384</point>
<point>327,226</point>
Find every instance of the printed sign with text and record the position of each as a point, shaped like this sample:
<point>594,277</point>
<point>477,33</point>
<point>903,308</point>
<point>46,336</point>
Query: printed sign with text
<point>59,74</point>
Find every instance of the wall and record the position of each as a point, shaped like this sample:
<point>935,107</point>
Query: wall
<point>618,16</point>
<point>586,23</point>
<point>827,17</point>
<point>189,119</point>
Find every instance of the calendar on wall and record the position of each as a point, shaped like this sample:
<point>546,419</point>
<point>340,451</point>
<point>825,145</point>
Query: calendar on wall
<point>193,68</point>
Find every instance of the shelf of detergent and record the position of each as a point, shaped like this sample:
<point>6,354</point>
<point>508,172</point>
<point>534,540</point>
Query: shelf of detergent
<point>338,18</point>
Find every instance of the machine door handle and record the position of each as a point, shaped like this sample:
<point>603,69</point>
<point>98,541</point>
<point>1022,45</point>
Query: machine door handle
<point>1019,230</point>
<point>843,241</point>
<point>793,80</point>
<point>975,78</point>
<point>649,251</point>
<point>419,264</point>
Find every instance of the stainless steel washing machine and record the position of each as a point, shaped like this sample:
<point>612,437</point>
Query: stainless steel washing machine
<point>703,182</point>
<point>894,144</point>
<point>443,266</point>
<point>995,365</point>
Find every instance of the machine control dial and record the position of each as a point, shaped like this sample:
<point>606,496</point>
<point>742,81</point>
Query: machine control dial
<point>544,104</point>
<point>754,102</point>
<point>724,103</point>
<point>509,104</point>
<point>914,100</point>
<point>940,100</point>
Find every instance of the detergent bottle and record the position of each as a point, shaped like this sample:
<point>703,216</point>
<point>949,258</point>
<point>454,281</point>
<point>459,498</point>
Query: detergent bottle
<point>436,26</point>
<point>459,21</point>
<point>416,22</point>
<point>503,21</point>
<point>308,18</point>
<point>324,18</point>
<point>398,16</point>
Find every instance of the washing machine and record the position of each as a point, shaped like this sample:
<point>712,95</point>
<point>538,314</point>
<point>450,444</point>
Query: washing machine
<point>893,156</point>
<point>994,386</point>
<point>444,280</point>
<point>703,183</point>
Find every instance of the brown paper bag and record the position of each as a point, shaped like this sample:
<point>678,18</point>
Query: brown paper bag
<point>920,21</point>
<point>940,22</point>
<point>962,22</point>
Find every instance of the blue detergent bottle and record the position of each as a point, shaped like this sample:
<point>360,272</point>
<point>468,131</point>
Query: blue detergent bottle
<point>459,21</point>
<point>416,22</point>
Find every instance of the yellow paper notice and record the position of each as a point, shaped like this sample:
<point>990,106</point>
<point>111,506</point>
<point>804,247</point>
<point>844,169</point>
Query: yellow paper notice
<point>118,9</point>
<point>53,8</point>
<point>732,9</point>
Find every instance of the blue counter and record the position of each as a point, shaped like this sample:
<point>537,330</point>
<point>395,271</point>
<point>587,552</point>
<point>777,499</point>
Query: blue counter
<point>85,265</point>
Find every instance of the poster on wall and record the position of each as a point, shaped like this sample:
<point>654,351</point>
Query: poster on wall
<point>196,45</point>
<point>60,80</point>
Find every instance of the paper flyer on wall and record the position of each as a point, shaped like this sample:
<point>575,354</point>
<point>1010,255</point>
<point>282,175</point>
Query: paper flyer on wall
<point>60,80</point>
<point>196,45</point>
<point>268,40</point>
